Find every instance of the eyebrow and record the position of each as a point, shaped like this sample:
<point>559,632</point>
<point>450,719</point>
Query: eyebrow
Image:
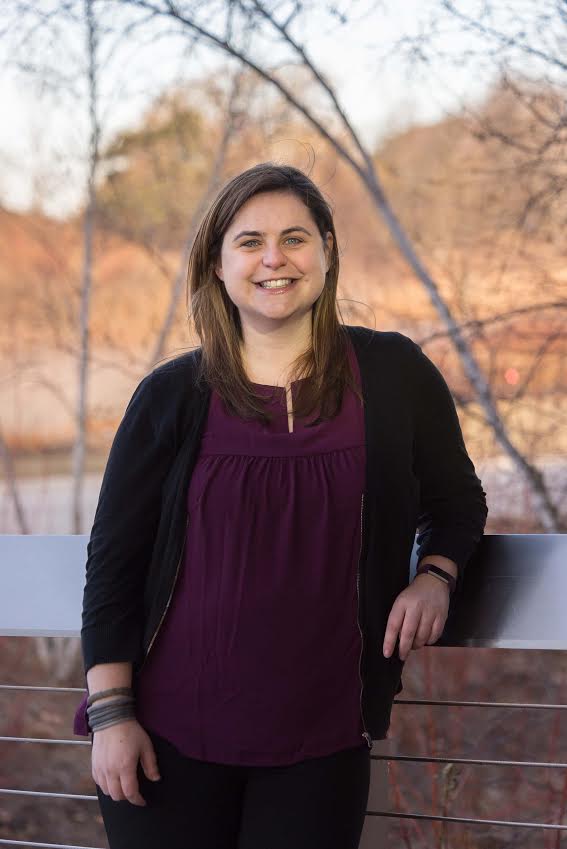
<point>258,233</point>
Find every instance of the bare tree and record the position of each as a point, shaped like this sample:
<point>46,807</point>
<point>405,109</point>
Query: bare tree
<point>223,28</point>
<point>268,19</point>
<point>59,655</point>
<point>231,121</point>
<point>79,448</point>
<point>11,482</point>
<point>522,47</point>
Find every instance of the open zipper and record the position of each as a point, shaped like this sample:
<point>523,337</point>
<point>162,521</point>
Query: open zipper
<point>365,734</point>
<point>154,635</point>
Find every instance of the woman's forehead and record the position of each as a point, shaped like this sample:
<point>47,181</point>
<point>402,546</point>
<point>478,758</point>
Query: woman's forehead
<point>271,211</point>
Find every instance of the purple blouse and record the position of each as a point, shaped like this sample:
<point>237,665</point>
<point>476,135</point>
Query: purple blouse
<point>257,659</point>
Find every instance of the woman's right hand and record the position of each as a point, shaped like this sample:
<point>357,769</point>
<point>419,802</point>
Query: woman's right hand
<point>116,751</point>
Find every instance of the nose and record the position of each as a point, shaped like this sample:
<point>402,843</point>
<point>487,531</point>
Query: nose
<point>273,256</point>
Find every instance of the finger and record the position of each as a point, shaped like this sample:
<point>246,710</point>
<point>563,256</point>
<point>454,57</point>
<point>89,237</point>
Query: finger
<point>100,781</point>
<point>423,633</point>
<point>131,788</point>
<point>149,762</point>
<point>407,634</point>
<point>436,630</point>
<point>114,788</point>
<point>393,626</point>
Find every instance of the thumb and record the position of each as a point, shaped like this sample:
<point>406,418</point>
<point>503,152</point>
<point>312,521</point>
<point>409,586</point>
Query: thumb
<point>149,762</point>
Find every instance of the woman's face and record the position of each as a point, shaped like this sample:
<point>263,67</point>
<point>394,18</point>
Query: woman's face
<point>273,239</point>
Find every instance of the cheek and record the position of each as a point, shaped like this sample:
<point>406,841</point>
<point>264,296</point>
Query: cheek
<point>235,267</point>
<point>317,265</point>
<point>318,262</point>
<point>236,283</point>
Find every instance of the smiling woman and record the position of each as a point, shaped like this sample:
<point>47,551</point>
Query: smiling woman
<point>263,279</point>
<point>274,263</point>
<point>247,576</point>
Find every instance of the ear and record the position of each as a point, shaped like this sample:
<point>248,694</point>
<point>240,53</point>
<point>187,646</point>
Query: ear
<point>218,269</point>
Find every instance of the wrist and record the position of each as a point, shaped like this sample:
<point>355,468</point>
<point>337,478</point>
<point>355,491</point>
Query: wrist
<point>110,707</point>
<point>431,579</point>
<point>437,574</point>
<point>440,560</point>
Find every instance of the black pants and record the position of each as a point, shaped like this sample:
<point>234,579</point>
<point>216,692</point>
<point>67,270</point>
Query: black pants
<point>315,804</point>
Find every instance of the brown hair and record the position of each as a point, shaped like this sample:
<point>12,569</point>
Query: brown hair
<point>325,364</point>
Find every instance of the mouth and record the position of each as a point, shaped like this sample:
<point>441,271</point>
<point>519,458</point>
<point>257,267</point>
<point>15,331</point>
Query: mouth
<point>277,285</point>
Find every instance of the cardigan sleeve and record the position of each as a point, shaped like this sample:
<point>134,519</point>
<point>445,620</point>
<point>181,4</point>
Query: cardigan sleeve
<point>452,511</point>
<point>123,533</point>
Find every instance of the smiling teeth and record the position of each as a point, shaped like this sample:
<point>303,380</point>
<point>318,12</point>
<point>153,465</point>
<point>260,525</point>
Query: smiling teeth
<point>276,284</point>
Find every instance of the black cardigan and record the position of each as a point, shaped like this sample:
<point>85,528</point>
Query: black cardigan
<point>418,477</point>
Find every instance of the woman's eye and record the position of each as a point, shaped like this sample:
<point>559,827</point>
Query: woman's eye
<point>290,238</point>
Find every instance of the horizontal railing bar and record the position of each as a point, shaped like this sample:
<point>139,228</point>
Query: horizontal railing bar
<point>4,842</point>
<point>478,761</point>
<point>383,757</point>
<point>6,792</point>
<point>443,702</point>
<point>467,820</point>
<point>434,702</point>
<point>42,689</point>
<point>44,740</point>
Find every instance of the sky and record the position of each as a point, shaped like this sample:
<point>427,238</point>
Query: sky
<point>43,138</point>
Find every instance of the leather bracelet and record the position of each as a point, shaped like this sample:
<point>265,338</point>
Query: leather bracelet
<point>111,721</point>
<point>113,691</point>
<point>117,702</point>
<point>438,572</point>
<point>105,716</point>
<point>121,710</point>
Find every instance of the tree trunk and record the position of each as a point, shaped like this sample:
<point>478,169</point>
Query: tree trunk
<point>79,448</point>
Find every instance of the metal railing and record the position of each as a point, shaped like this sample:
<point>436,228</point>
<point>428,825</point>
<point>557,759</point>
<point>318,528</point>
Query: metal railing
<point>510,582</point>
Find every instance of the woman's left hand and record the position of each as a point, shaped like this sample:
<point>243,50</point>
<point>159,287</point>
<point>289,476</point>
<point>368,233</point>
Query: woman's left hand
<point>418,615</point>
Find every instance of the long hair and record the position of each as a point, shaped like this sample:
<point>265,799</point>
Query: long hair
<point>323,369</point>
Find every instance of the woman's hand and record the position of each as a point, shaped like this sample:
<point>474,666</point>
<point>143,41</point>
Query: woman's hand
<point>115,755</point>
<point>418,615</point>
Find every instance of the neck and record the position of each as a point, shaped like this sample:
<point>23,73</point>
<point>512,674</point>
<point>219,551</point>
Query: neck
<point>267,353</point>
